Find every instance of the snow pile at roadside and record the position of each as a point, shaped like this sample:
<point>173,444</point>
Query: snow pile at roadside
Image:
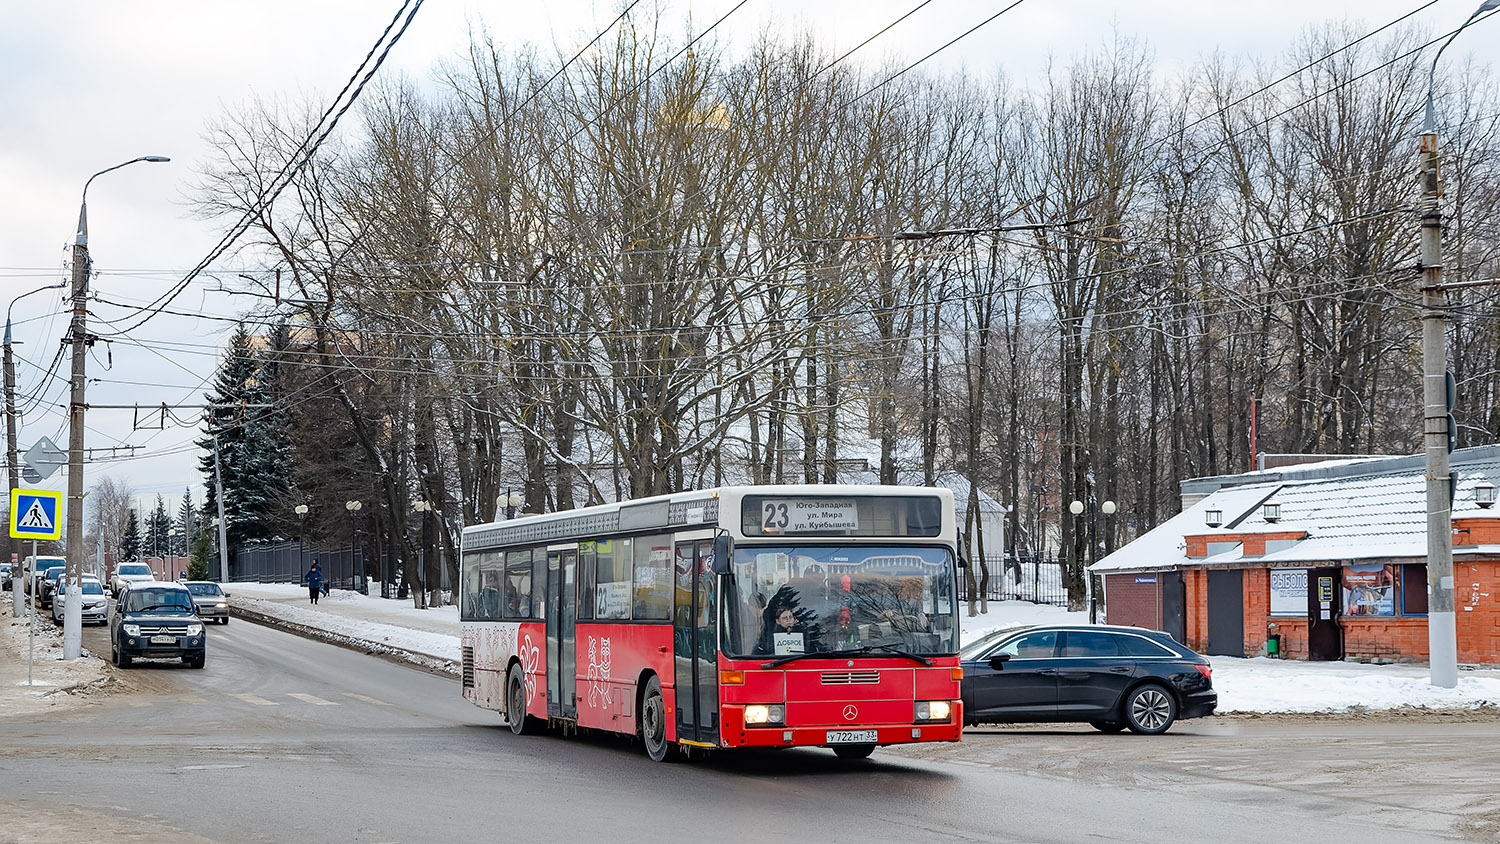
<point>54,680</point>
<point>379,625</point>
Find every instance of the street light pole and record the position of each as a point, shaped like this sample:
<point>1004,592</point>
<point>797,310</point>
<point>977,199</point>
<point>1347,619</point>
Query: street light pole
<point>420,596</point>
<point>353,507</point>
<point>73,612</point>
<point>301,511</point>
<point>1076,508</point>
<point>10,435</point>
<point>1442,634</point>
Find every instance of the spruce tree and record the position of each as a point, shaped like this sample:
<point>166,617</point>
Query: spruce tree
<point>187,525</point>
<point>130,540</point>
<point>253,449</point>
<point>156,543</point>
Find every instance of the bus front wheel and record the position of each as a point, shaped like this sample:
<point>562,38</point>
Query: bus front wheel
<point>654,724</point>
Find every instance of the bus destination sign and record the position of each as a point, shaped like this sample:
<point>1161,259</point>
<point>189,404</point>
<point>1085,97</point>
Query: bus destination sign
<point>808,515</point>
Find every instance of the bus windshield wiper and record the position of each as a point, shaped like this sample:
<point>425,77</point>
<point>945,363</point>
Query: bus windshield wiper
<point>864,651</point>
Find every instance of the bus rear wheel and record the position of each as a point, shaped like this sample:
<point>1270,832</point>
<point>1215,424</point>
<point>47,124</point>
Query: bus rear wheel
<point>654,724</point>
<point>515,702</point>
<point>853,751</point>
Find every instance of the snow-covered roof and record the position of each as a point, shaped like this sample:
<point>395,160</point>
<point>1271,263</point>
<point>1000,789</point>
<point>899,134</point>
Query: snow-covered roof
<point>1350,510</point>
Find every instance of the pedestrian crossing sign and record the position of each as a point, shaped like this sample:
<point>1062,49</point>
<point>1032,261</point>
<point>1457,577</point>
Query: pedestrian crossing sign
<point>34,514</point>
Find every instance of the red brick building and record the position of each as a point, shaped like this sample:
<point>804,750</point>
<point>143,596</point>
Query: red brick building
<point>1317,561</point>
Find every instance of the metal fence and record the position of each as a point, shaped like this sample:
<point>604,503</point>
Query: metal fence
<point>287,562</point>
<point>1034,578</point>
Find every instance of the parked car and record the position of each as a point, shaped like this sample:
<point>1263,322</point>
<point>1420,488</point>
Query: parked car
<point>155,620</point>
<point>1110,677</point>
<point>129,573</point>
<point>47,584</point>
<point>211,601</point>
<point>35,568</point>
<point>5,577</point>
<point>94,603</point>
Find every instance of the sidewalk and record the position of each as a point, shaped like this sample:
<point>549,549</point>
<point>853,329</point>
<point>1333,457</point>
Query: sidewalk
<point>430,639</point>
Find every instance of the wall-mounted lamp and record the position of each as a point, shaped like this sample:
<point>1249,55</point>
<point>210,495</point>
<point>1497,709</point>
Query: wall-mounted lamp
<point>1213,518</point>
<point>1484,494</point>
<point>1271,512</point>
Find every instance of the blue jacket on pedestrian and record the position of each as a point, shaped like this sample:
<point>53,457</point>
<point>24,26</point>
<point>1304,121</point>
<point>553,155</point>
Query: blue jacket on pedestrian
<point>314,578</point>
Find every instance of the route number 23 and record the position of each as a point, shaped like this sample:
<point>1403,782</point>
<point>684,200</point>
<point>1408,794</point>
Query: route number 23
<point>776,517</point>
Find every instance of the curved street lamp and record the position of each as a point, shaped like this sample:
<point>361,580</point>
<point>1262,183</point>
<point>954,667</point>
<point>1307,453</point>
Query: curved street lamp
<point>73,612</point>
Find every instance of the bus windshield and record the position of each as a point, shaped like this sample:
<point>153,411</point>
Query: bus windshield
<point>790,599</point>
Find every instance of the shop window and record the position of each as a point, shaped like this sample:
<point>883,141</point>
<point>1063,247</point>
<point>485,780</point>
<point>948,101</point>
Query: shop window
<point>1414,589</point>
<point>1370,590</point>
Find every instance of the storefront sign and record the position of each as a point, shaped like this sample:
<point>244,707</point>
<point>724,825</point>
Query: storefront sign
<point>1289,591</point>
<point>1145,578</point>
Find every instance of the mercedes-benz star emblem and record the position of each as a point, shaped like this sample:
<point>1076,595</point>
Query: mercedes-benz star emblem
<point>850,712</point>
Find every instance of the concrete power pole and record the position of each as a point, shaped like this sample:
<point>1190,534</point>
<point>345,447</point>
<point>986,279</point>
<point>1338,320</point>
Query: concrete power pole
<point>10,460</point>
<point>73,612</point>
<point>1437,424</point>
<point>219,495</point>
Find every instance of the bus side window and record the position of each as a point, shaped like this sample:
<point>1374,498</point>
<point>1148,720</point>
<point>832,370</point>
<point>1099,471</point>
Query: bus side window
<point>587,560</point>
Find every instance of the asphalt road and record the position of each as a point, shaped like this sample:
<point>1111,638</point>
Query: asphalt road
<point>281,739</point>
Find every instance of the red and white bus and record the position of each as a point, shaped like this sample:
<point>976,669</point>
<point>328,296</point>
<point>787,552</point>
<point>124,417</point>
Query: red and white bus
<point>755,616</point>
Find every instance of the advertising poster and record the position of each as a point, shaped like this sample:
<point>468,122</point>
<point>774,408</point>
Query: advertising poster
<point>1370,590</point>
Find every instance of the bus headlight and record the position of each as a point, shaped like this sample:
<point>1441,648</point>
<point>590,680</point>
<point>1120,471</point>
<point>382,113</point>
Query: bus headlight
<point>933,710</point>
<point>764,714</point>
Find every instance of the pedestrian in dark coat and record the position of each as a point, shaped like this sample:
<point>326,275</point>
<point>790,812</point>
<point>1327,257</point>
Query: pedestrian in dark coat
<point>314,581</point>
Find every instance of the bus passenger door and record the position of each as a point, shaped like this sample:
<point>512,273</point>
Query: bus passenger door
<point>562,625</point>
<point>695,644</point>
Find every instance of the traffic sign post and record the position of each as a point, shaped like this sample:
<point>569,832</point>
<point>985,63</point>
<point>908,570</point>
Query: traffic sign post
<point>33,515</point>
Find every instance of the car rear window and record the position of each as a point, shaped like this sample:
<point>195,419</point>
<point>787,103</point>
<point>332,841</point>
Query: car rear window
<point>135,569</point>
<point>1141,646</point>
<point>1082,643</point>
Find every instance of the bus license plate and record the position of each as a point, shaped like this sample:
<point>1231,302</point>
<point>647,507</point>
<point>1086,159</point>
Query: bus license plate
<point>163,640</point>
<point>851,736</point>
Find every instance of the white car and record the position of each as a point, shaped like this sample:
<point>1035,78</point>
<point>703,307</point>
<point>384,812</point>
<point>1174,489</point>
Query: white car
<point>129,573</point>
<point>94,609</point>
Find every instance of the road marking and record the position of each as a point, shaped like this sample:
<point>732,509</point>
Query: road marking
<point>258,701</point>
<point>311,699</point>
<point>366,699</point>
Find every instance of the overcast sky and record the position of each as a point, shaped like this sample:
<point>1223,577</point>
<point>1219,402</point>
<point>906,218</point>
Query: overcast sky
<point>92,83</point>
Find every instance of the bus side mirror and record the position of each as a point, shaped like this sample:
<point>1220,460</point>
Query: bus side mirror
<point>722,549</point>
<point>963,562</point>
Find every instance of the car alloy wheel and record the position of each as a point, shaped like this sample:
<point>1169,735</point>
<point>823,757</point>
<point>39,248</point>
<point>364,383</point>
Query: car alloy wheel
<point>1150,710</point>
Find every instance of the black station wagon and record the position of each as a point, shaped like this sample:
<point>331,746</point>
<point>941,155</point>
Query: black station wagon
<point>1110,677</point>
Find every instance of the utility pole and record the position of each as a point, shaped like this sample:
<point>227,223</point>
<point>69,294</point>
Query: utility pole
<point>10,459</point>
<point>73,632</point>
<point>73,612</point>
<point>14,546</point>
<point>1437,423</point>
<point>219,497</point>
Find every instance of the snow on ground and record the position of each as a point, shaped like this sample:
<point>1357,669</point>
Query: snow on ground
<point>1244,685</point>
<point>54,681</point>
<point>1277,685</point>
